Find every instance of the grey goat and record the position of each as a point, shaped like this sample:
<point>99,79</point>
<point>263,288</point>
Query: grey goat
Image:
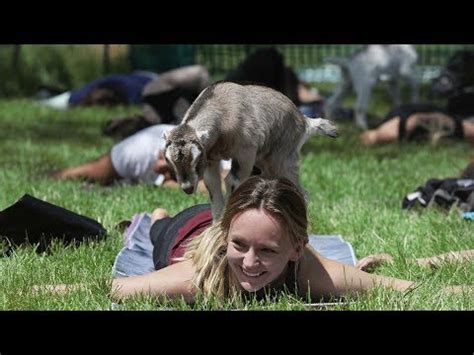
<point>364,69</point>
<point>255,126</point>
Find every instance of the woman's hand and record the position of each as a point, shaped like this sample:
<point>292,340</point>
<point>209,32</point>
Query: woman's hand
<point>372,261</point>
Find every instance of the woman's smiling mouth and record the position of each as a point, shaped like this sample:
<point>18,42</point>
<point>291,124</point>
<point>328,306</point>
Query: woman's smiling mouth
<point>250,274</point>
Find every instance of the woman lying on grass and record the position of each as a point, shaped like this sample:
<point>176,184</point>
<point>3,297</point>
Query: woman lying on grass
<point>411,122</point>
<point>136,159</point>
<point>259,246</point>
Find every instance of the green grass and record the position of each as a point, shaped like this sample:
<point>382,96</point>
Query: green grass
<point>354,191</point>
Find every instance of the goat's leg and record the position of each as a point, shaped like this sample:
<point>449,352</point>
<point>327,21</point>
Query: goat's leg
<point>408,73</point>
<point>363,91</point>
<point>413,82</point>
<point>242,166</point>
<point>394,88</point>
<point>335,100</point>
<point>290,169</point>
<point>212,180</point>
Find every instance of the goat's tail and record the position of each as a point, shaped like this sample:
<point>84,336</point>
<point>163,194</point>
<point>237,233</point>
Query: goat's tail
<point>321,127</point>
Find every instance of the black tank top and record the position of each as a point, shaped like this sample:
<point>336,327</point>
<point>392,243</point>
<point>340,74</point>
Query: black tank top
<point>406,110</point>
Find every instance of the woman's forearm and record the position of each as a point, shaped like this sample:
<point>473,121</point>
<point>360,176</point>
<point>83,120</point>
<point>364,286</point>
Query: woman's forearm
<point>450,257</point>
<point>171,282</point>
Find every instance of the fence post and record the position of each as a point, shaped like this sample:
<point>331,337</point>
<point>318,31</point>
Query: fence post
<point>106,59</point>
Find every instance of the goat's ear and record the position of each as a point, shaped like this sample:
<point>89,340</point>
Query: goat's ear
<point>166,134</point>
<point>203,135</point>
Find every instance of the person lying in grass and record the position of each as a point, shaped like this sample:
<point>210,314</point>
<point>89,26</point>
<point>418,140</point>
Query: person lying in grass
<point>137,159</point>
<point>258,246</point>
<point>419,121</point>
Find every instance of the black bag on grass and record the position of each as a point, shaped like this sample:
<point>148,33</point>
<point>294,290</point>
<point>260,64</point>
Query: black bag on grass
<point>443,192</point>
<point>30,220</point>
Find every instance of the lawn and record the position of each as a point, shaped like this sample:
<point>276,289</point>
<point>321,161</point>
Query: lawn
<point>354,191</point>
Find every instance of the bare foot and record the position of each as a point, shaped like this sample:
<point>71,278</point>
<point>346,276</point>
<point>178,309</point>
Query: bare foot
<point>159,213</point>
<point>372,261</point>
<point>368,137</point>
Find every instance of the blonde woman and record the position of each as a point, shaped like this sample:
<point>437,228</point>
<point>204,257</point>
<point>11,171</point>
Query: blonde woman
<point>259,245</point>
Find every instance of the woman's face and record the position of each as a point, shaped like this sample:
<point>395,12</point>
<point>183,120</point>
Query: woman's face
<point>258,250</point>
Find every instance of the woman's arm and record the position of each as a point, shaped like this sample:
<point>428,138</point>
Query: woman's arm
<point>449,257</point>
<point>171,282</point>
<point>372,261</point>
<point>327,277</point>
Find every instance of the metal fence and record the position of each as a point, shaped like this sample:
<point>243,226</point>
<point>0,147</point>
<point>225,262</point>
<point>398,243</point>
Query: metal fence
<point>308,60</point>
<point>23,68</point>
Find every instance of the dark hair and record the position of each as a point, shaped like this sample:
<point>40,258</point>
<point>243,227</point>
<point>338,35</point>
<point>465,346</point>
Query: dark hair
<point>105,95</point>
<point>266,67</point>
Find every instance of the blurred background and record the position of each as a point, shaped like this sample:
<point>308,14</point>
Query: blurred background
<point>25,69</point>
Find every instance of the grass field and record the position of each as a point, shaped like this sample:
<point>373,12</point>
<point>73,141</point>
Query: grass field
<point>354,191</point>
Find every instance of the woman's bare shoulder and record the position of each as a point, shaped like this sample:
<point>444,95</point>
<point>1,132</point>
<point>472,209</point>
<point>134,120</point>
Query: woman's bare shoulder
<point>318,274</point>
<point>310,267</point>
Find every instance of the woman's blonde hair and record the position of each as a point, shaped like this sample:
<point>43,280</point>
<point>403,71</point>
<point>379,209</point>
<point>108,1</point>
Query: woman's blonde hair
<point>279,197</point>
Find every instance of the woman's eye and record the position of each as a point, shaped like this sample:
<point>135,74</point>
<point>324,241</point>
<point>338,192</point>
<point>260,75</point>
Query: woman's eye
<point>237,245</point>
<point>268,251</point>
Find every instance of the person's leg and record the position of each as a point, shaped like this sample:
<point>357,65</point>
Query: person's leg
<point>193,77</point>
<point>436,124</point>
<point>389,131</point>
<point>100,170</point>
<point>385,133</point>
<point>468,128</point>
<point>167,98</point>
